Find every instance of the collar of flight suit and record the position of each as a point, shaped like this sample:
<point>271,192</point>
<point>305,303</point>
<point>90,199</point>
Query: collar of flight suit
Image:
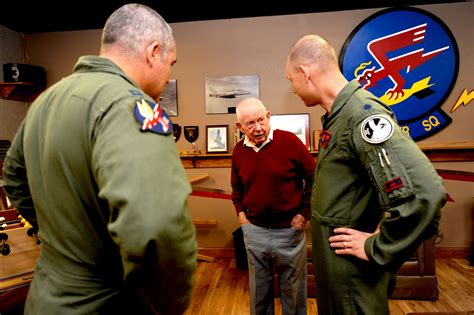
<point>341,99</point>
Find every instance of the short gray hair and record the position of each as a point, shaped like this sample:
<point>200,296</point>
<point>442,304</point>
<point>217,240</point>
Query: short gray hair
<point>134,26</point>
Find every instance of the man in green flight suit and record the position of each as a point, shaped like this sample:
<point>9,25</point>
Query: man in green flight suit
<point>375,195</point>
<point>94,166</point>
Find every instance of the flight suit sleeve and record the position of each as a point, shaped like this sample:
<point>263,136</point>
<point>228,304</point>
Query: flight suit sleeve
<point>15,180</point>
<point>409,190</point>
<point>141,177</point>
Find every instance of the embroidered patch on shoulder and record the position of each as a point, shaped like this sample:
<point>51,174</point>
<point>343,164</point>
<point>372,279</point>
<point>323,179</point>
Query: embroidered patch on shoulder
<point>152,117</point>
<point>377,128</point>
<point>393,184</point>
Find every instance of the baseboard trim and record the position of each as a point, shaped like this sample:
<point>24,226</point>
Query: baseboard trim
<point>452,252</point>
<point>218,252</point>
<point>440,252</point>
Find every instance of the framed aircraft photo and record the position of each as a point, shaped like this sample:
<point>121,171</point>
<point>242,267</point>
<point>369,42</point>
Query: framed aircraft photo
<point>217,139</point>
<point>238,135</point>
<point>224,93</point>
<point>295,123</point>
<point>169,98</point>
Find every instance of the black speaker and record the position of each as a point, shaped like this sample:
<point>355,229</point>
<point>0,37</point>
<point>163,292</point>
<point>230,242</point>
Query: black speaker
<point>19,72</point>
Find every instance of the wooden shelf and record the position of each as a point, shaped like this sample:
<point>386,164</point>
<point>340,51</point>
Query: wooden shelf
<point>20,91</point>
<point>206,160</point>
<point>449,151</point>
<point>436,152</point>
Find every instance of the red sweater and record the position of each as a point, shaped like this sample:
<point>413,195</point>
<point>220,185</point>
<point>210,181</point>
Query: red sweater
<point>273,184</point>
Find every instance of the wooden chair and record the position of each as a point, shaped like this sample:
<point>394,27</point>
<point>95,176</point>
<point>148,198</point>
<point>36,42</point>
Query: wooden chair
<point>416,279</point>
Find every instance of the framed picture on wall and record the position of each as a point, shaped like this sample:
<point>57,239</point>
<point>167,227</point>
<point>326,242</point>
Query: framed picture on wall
<point>217,139</point>
<point>224,93</point>
<point>169,98</point>
<point>238,135</point>
<point>295,123</point>
<point>316,137</point>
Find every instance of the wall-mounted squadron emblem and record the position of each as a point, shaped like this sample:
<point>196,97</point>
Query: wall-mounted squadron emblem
<point>191,133</point>
<point>409,59</point>
<point>176,132</point>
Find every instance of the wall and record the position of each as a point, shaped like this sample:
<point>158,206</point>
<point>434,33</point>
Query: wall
<point>11,112</point>
<point>260,46</point>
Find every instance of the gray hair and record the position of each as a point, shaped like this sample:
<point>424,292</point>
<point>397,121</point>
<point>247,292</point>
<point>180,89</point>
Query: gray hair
<point>312,50</point>
<point>134,26</point>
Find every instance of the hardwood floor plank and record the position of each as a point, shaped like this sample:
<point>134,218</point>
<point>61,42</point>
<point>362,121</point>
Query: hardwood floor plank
<point>237,296</point>
<point>221,288</point>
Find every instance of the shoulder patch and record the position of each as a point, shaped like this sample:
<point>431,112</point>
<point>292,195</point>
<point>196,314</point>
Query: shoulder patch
<point>152,117</point>
<point>377,128</point>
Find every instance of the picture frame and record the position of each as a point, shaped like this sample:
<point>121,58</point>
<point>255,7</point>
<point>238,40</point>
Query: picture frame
<point>224,93</point>
<point>217,138</point>
<point>238,135</point>
<point>316,137</point>
<point>169,98</point>
<point>295,123</point>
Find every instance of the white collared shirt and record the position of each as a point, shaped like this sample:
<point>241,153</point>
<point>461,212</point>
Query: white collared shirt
<point>248,143</point>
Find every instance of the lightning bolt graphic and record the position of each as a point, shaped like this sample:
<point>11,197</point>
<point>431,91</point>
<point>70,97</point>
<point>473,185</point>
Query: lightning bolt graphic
<point>463,99</point>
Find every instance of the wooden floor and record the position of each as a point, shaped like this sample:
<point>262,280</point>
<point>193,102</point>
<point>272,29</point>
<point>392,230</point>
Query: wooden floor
<point>221,288</point>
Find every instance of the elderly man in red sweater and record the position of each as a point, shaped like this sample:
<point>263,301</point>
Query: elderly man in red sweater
<point>272,175</point>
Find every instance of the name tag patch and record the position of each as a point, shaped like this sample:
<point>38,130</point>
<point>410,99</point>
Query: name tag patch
<point>393,184</point>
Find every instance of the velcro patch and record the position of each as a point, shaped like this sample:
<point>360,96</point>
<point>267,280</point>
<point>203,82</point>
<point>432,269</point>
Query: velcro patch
<point>152,117</point>
<point>324,138</point>
<point>393,184</point>
<point>377,128</point>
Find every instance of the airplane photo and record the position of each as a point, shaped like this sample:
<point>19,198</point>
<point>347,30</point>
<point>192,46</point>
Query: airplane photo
<point>229,94</point>
<point>223,93</point>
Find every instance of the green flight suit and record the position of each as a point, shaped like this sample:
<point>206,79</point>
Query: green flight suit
<point>361,182</point>
<point>110,199</point>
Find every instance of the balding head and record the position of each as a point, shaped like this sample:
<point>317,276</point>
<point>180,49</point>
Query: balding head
<point>312,51</point>
<point>313,70</point>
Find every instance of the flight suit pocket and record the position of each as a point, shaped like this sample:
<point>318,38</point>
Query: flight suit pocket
<point>389,175</point>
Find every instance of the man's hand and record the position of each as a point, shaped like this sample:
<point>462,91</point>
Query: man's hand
<point>298,222</point>
<point>350,242</point>
<point>243,218</point>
